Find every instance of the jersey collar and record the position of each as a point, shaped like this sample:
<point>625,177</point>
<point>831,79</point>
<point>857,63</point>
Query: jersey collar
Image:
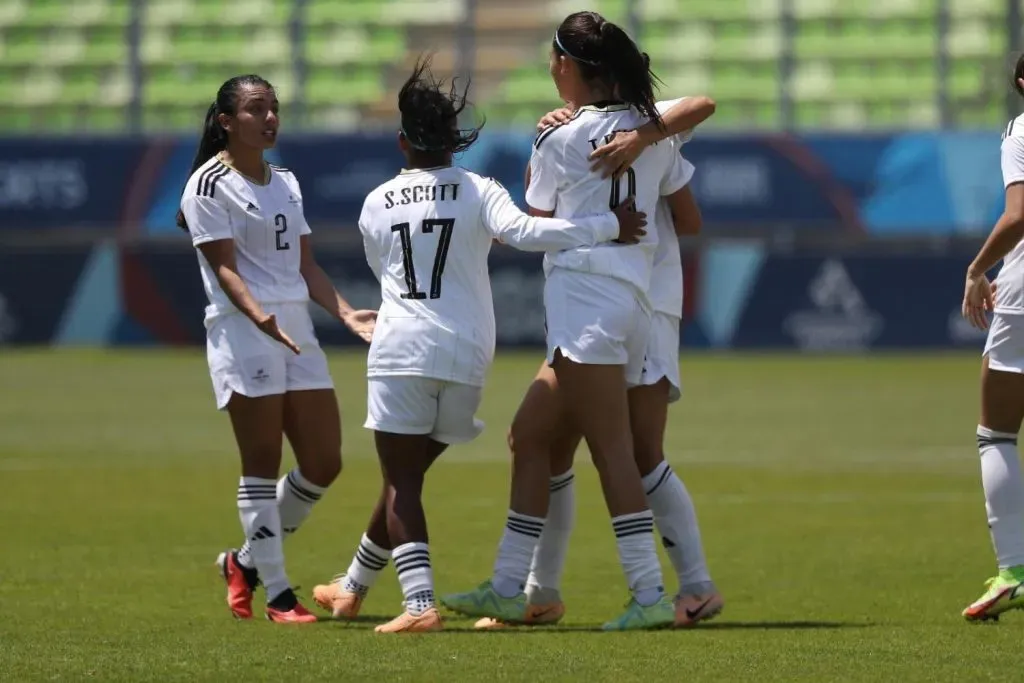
<point>605,105</point>
<point>410,171</point>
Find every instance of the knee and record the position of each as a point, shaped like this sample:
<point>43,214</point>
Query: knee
<point>322,470</point>
<point>524,439</point>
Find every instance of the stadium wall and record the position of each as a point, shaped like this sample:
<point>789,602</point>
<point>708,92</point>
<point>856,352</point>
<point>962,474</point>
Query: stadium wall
<point>884,185</point>
<point>851,197</point>
<point>739,296</point>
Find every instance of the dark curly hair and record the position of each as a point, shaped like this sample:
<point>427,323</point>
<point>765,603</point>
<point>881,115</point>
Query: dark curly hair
<point>430,113</point>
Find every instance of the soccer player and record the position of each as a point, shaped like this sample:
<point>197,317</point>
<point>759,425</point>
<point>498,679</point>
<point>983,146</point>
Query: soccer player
<point>598,317</point>
<point>427,235</point>
<point>1002,377</point>
<point>673,508</point>
<point>246,221</point>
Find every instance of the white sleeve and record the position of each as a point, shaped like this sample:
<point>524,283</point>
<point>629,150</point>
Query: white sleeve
<point>545,175</point>
<point>370,246</point>
<point>509,225</point>
<point>1013,160</point>
<point>678,176</point>
<point>208,220</point>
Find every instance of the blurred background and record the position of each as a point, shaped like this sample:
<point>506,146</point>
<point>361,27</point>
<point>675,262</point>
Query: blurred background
<point>851,169</point>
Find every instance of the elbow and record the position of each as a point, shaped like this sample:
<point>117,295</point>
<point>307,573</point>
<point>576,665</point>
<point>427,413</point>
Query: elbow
<point>706,105</point>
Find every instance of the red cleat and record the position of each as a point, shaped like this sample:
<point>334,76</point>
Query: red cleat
<point>239,591</point>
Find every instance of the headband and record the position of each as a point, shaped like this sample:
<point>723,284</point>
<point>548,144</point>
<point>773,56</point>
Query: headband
<point>570,55</point>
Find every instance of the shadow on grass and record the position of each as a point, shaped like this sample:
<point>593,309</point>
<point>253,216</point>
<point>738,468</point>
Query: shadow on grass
<point>464,625</point>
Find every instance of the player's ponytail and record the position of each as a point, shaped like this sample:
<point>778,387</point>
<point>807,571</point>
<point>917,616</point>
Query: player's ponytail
<point>1018,74</point>
<point>605,53</point>
<point>215,138</point>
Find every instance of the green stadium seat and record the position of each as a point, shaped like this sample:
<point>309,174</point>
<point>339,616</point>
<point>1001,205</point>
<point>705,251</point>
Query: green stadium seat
<point>327,86</point>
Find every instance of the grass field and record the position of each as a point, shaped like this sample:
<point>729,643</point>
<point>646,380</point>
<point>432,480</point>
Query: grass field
<point>839,499</point>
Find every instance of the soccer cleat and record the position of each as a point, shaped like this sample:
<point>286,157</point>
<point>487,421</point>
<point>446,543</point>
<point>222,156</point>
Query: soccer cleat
<point>1004,592</point>
<point>637,617</point>
<point>691,609</point>
<point>239,586</point>
<point>341,603</point>
<point>536,615</point>
<point>484,601</point>
<point>429,620</point>
<point>286,609</point>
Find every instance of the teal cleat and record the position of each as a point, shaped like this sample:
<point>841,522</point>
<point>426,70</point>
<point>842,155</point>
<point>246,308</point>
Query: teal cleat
<point>484,601</point>
<point>661,614</point>
<point>1005,591</point>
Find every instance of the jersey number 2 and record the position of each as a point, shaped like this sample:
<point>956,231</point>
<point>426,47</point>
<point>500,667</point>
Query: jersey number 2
<point>282,227</point>
<point>616,193</point>
<point>405,235</point>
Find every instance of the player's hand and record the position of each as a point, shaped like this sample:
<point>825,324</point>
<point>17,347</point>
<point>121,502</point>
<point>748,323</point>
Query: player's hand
<point>631,221</point>
<point>618,154</point>
<point>361,323</point>
<point>268,326</point>
<point>553,118</point>
<point>979,298</point>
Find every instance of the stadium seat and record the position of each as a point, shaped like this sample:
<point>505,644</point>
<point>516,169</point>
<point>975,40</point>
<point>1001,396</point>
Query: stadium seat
<point>845,64</point>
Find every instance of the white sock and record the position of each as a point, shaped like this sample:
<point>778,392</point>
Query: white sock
<point>676,519</point>
<point>412,562</point>
<point>515,553</point>
<point>634,536</point>
<point>545,580</point>
<point>367,564</point>
<point>296,496</point>
<point>261,523</point>
<point>1004,494</point>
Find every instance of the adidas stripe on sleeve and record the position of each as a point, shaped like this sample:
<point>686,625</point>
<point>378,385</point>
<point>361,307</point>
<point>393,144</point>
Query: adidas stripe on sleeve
<point>207,216</point>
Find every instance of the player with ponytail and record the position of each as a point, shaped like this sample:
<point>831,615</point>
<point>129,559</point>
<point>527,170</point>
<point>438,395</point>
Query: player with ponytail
<point>268,371</point>
<point>598,313</point>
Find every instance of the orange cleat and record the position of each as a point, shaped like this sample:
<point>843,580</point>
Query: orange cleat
<point>430,620</point>
<point>692,609</point>
<point>296,615</point>
<point>536,615</point>
<point>239,591</point>
<point>339,602</point>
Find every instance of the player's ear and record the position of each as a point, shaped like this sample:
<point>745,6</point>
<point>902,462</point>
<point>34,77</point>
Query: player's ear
<point>225,121</point>
<point>403,144</point>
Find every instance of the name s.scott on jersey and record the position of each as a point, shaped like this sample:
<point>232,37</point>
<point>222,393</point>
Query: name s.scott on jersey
<point>422,193</point>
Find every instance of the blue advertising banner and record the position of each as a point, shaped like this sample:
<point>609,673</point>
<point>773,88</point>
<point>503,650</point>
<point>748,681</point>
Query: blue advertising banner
<point>35,291</point>
<point>66,183</point>
<point>856,303</point>
<point>913,183</point>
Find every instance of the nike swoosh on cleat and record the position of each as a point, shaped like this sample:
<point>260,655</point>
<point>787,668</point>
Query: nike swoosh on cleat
<point>692,614</point>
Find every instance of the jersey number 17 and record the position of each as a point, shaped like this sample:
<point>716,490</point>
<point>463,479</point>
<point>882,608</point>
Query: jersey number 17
<point>446,225</point>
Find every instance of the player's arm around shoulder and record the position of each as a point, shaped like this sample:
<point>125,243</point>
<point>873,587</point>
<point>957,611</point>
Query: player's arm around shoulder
<point>509,225</point>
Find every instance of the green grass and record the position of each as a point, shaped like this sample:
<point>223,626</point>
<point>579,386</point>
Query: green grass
<point>839,500</point>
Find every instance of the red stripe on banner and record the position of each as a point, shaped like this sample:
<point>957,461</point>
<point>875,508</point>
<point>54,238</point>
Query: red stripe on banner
<point>145,304</point>
<point>818,173</point>
<point>144,183</point>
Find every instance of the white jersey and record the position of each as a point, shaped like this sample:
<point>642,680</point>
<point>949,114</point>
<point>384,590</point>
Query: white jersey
<point>1010,282</point>
<point>561,181</point>
<point>666,292</point>
<point>427,234</point>
<point>265,222</point>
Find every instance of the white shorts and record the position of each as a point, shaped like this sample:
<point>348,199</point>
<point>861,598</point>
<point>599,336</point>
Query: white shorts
<point>596,320</point>
<point>246,361</point>
<point>422,405</point>
<point>662,359</point>
<point>1005,344</point>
